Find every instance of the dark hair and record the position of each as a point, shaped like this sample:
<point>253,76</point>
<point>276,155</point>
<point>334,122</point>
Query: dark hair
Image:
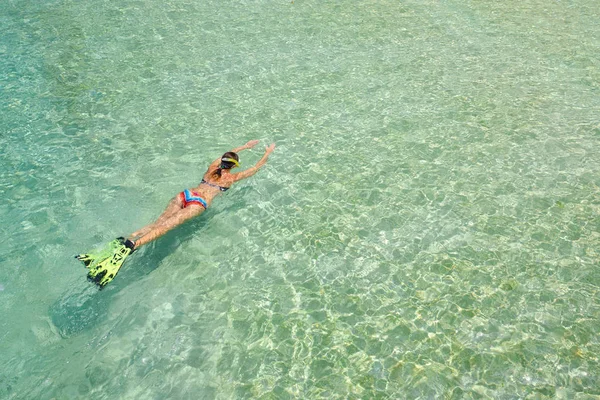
<point>226,164</point>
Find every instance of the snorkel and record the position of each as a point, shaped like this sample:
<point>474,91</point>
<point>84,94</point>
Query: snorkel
<point>229,160</point>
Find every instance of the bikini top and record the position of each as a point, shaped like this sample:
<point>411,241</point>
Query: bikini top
<point>221,188</point>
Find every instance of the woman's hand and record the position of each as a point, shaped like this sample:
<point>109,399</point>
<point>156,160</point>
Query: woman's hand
<point>269,149</point>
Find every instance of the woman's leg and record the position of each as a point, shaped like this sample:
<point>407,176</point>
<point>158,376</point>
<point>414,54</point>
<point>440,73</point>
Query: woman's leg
<point>173,207</point>
<point>156,230</point>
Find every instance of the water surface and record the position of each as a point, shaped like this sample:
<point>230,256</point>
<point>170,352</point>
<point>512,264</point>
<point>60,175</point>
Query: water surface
<point>428,226</point>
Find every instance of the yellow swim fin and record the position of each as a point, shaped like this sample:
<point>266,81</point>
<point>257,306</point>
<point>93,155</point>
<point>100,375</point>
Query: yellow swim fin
<point>105,264</point>
<point>96,256</point>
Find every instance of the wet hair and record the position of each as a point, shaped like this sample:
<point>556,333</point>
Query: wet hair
<point>225,164</point>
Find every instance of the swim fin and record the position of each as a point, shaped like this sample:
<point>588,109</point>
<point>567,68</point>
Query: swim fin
<point>105,264</point>
<point>98,255</point>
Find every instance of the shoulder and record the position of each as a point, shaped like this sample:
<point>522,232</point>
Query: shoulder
<point>214,164</point>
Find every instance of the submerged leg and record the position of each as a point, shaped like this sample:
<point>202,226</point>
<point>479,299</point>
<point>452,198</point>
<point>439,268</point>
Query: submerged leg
<point>168,223</point>
<point>173,207</point>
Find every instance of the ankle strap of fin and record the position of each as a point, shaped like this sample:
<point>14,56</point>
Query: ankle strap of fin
<point>130,244</point>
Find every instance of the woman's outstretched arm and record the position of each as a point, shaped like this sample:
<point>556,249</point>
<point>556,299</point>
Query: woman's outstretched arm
<point>253,170</point>
<point>248,145</point>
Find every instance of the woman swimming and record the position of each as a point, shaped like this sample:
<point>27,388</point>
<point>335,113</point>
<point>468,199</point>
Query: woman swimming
<point>188,204</point>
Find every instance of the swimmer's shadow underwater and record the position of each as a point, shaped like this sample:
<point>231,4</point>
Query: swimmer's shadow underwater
<point>87,304</point>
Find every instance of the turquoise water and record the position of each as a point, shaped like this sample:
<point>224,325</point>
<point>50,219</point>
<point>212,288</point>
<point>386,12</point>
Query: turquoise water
<point>428,226</point>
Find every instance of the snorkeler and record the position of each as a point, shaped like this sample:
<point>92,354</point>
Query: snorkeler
<point>105,264</point>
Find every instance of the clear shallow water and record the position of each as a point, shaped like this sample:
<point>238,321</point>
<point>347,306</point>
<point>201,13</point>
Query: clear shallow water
<point>427,227</point>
